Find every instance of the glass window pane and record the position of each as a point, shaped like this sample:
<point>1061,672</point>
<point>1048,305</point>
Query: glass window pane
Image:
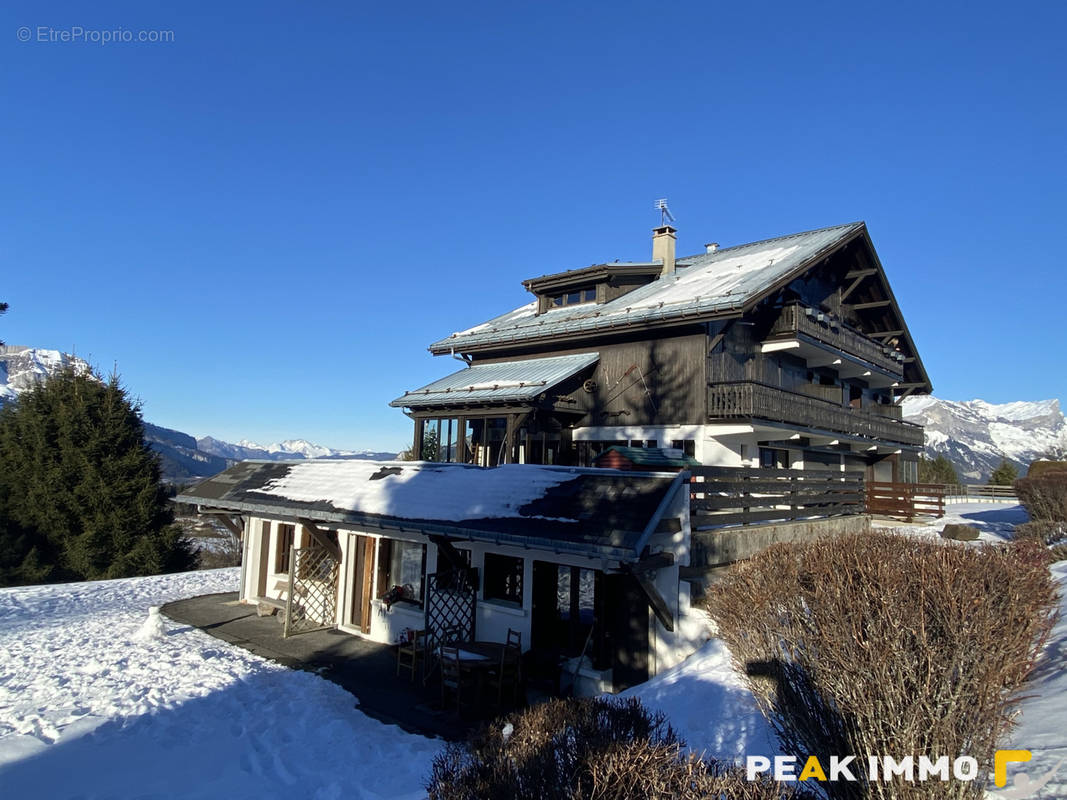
<point>405,567</point>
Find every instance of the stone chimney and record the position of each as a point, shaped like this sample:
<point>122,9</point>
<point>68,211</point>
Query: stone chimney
<point>663,241</point>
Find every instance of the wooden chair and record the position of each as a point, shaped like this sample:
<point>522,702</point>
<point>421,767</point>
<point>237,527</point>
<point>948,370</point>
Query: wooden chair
<point>409,654</point>
<point>454,679</point>
<point>507,676</point>
<point>451,634</point>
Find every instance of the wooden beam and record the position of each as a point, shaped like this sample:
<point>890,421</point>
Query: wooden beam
<point>655,600</point>
<point>861,273</point>
<point>320,536</point>
<point>852,287</point>
<point>872,304</point>
<point>883,335</point>
<point>449,551</point>
<point>654,562</point>
<point>229,522</point>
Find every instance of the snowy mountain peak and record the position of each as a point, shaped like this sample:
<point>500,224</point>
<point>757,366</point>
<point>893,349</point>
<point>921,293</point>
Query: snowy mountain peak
<point>976,435</point>
<point>22,368</point>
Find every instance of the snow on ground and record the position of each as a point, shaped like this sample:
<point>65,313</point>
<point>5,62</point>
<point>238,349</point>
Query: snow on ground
<point>1041,728</point>
<point>89,709</point>
<point>995,521</point>
<point>708,705</point>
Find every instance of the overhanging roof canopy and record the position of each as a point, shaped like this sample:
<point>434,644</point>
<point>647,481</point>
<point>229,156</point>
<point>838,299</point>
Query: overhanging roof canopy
<point>592,512</point>
<point>507,382</point>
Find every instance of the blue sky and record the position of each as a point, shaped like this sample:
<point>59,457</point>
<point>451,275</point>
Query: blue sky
<point>264,222</point>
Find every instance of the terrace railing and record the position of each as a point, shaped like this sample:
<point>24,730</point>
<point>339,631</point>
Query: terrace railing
<point>721,496</point>
<point>905,501</point>
<point>794,320</point>
<point>747,399</point>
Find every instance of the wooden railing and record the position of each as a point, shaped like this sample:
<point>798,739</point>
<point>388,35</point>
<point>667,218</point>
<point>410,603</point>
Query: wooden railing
<point>744,399</point>
<point>966,493</point>
<point>722,496</point>
<point>794,320</point>
<point>905,500</point>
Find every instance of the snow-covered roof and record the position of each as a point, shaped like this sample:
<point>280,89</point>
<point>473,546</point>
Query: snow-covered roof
<point>595,512</point>
<point>508,382</point>
<point>706,284</point>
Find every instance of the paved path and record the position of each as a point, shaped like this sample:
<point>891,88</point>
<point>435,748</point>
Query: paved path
<point>366,669</point>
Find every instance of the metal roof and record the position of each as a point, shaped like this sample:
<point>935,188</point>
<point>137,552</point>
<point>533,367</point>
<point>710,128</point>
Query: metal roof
<point>707,284</point>
<point>508,382</point>
<point>600,513</point>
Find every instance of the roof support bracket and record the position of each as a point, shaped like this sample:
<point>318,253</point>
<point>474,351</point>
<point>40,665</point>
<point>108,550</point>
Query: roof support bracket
<point>321,538</point>
<point>655,599</point>
<point>234,523</point>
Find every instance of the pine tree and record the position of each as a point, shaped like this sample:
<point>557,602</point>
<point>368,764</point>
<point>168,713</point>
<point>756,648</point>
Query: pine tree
<point>80,491</point>
<point>939,470</point>
<point>3,308</point>
<point>1005,474</point>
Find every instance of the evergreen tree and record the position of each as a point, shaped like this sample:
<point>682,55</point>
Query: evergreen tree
<point>1005,474</point>
<point>80,491</point>
<point>3,308</point>
<point>939,470</point>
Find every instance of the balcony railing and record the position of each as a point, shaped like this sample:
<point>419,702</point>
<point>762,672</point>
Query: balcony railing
<point>746,399</point>
<point>794,321</point>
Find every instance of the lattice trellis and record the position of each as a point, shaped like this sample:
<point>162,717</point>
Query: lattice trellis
<point>450,604</point>
<point>312,601</point>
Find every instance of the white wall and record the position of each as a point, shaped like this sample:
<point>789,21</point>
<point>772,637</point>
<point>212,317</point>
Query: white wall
<point>493,619</point>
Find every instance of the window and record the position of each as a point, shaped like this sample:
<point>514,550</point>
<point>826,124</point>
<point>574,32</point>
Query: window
<point>401,564</point>
<point>282,545</point>
<point>772,458</point>
<point>440,439</point>
<point>687,446</point>
<point>503,579</point>
<point>574,298</point>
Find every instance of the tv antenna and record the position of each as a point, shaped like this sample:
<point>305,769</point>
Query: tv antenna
<point>664,212</point>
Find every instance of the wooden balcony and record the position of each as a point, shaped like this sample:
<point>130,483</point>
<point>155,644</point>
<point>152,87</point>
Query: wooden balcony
<point>794,322</point>
<point>750,400</point>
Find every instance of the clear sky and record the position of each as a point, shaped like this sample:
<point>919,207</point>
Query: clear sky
<point>265,221</point>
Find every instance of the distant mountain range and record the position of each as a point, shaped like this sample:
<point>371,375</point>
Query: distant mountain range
<point>975,435</point>
<point>183,457</point>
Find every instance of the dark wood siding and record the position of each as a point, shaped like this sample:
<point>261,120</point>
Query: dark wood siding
<point>651,381</point>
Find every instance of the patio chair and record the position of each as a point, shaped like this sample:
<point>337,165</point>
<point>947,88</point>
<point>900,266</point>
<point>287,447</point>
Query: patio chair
<point>455,680</point>
<point>409,654</point>
<point>506,677</point>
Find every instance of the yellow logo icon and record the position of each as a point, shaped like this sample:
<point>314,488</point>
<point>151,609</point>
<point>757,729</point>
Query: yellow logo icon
<point>1001,761</point>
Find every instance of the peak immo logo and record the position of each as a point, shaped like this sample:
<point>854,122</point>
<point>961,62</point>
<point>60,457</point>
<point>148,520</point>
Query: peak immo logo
<point>886,768</point>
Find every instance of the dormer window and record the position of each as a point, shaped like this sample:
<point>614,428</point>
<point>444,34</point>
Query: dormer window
<point>573,298</point>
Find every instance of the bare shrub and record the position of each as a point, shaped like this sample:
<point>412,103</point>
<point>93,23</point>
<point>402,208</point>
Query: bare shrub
<point>593,748</point>
<point>1044,532</point>
<point>1044,497</point>
<point>888,645</point>
<point>1040,468</point>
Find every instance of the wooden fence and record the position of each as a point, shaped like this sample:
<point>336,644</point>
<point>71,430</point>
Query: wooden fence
<point>743,496</point>
<point>968,493</point>
<point>905,500</point>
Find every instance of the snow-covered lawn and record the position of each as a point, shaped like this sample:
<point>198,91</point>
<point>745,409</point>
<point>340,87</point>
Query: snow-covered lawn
<point>88,710</point>
<point>995,521</point>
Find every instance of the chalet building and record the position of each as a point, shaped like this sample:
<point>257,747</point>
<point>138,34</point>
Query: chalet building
<point>732,363</point>
<point>790,352</point>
